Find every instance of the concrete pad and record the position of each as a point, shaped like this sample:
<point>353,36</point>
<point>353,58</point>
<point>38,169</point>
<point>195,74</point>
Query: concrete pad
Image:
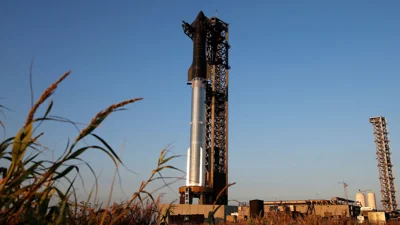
<point>187,209</point>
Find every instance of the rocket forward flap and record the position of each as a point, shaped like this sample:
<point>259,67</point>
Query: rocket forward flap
<point>190,73</point>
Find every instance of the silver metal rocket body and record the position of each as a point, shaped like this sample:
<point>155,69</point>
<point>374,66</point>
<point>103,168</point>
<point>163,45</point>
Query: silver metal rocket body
<point>197,75</point>
<point>196,151</point>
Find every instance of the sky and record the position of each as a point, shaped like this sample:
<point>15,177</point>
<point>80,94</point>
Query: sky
<point>305,78</point>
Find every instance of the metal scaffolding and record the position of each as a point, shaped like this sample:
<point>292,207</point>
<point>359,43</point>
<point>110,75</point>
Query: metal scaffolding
<point>385,165</point>
<point>217,109</point>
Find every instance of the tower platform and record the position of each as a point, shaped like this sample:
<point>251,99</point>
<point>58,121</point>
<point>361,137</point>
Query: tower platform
<point>204,194</point>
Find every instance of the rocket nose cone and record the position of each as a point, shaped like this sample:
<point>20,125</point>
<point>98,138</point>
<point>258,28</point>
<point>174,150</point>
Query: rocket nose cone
<point>198,21</point>
<point>201,14</point>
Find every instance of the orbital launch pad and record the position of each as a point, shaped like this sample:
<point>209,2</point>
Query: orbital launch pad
<point>207,156</point>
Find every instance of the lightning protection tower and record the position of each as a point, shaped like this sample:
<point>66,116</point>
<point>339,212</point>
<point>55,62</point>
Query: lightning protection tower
<point>207,169</point>
<point>383,155</point>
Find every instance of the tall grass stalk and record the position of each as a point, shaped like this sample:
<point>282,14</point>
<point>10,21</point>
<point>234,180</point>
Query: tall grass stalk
<point>29,187</point>
<point>112,187</point>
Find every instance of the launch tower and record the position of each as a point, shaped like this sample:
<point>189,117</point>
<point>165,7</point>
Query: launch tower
<point>384,158</point>
<point>207,162</point>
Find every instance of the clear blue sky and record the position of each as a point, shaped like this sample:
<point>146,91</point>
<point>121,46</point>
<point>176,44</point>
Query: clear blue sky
<point>305,78</point>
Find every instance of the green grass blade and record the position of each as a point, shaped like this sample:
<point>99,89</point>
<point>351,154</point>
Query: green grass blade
<point>4,145</point>
<point>83,149</point>
<point>63,211</point>
<point>149,195</point>
<point>65,172</point>
<point>108,147</point>
<point>22,177</point>
<point>20,145</point>
<point>45,115</point>
<point>169,167</point>
<point>7,157</point>
<point>31,158</point>
<point>48,109</point>
<point>2,125</point>
<point>168,159</point>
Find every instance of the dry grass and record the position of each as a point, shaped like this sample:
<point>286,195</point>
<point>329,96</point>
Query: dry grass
<point>30,190</point>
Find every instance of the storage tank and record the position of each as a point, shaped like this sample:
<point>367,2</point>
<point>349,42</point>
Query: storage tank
<point>360,199</point>
<point>371,200</point>
<point>256,208</point>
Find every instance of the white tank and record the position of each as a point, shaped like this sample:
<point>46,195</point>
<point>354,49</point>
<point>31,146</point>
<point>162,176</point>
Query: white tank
<point>371,200</point>
<point>360,199</point>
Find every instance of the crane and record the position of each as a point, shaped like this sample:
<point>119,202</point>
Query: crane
<point>364,191</point>
<point>345,185</point>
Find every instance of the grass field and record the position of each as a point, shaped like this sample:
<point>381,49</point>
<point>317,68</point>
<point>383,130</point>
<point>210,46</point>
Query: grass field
<point>30,191</point>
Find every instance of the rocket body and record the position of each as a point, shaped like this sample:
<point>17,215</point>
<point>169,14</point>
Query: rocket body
<point>196,154</point>
<point>198,73</point>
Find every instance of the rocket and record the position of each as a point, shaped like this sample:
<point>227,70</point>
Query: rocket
<point>197,74</point>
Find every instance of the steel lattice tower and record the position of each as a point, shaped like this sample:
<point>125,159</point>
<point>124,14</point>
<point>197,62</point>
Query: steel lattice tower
<point>385,165</point>
<point>217,109</point>
<point>216,122</point>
